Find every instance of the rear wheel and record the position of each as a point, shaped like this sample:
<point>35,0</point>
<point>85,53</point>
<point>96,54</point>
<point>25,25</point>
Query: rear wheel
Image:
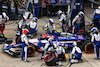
<point>31,51</point>
<point>89,47</point>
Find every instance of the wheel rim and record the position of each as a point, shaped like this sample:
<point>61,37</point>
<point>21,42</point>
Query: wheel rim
<point>89,47</point>
<point>31,51</point>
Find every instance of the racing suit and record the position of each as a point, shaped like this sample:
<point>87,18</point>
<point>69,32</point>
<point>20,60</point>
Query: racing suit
<point>3,20</point>
<point>96,18</point>
<point>76,51</point>
<point>61,52</point>
<point>36,7</point>
<point>21,25</point>
<point>50,27</point>
<point>63,20</point>
<point>96,38</point>
<point>33,27</point>
<point>24,47</point>
<point>76,23</point>
<point>48,47</point>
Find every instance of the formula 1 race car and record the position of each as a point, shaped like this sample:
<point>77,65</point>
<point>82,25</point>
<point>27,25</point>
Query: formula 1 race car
<point>83,39</point>
<point>64,38</point>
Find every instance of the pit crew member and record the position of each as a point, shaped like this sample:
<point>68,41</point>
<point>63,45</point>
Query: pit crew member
<point>3,17</point>
<point>77,21</point>
<point>96,40</point>
<point>49,26</point>
<point>24,45</point>
<point>63,20</point>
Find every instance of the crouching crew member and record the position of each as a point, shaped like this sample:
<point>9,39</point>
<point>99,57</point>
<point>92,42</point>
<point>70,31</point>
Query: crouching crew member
<point>47,46</point>
<point>33,25</point>
<point>76,53</point>
<point>61,52</point>
<point>49,26</point>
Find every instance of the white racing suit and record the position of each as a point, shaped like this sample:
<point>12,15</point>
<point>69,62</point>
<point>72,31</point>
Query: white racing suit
<point>49,27</point>
<point>76,52</point>
<point>76,24</point>
<point>32,27</point>
<point>21,25</point>
<point>63,20</point>
<point>49,46</point>
<point>3,20</point>
<point>24,47</point>
<point>96,39</point>
<point>61,53</point>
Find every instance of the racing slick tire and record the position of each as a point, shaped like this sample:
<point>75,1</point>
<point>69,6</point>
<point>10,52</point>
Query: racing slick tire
<point>51,59</point>
<point>88,46</point>
<point>31,51</point>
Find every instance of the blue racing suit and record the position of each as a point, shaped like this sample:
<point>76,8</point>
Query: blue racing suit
<point>96,18</point>
<point>96,38</point>
<point>36,8</point>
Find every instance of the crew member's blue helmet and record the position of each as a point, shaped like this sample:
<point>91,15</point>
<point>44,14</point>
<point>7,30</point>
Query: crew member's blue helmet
<point>59,12</point>
<point>94,29</point>
<point>35,19</point>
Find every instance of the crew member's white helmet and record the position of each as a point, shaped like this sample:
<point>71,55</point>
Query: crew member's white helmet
<point>35,19</point>
<point>81,13</point>
<point>4,15</point>
<point>94,29</point>
<point>24,18</point>
<point>59,12</point>
<point>51,21</point>
<point>74,43</point>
